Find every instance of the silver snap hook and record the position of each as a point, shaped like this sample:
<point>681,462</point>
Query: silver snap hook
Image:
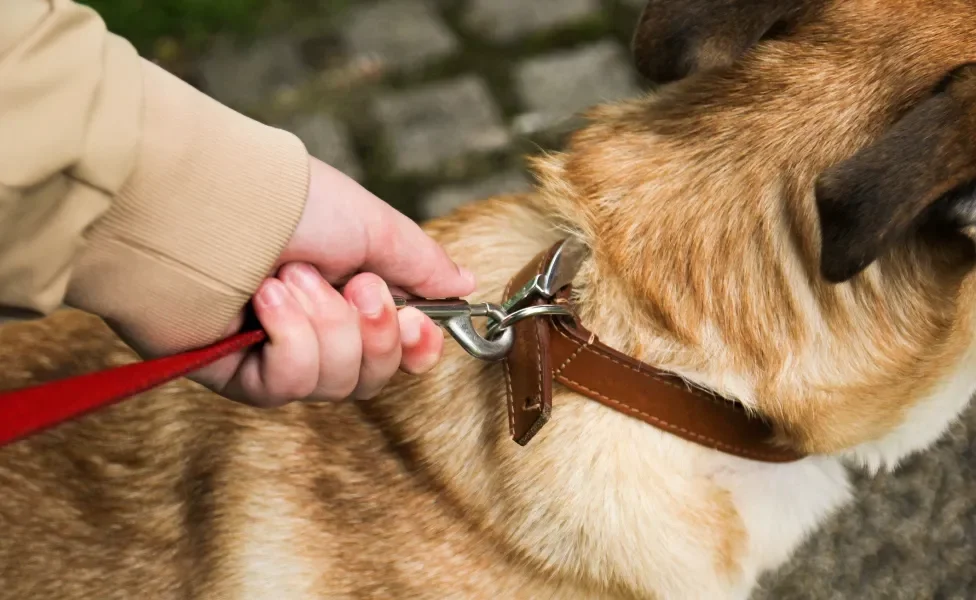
<point>456,316</point>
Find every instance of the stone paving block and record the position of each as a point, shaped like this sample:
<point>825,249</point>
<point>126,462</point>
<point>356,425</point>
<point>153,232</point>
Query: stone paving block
<point>328,140</point>
<point>242,76</point>
<point>427,126</point>
<point>506,21</point>
<point>444,200</point>
<point>401,34</point>
<point>555,87</point>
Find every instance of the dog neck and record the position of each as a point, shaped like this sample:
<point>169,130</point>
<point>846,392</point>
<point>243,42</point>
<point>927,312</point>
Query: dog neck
<point>541,502</point>
<point>703,264</point>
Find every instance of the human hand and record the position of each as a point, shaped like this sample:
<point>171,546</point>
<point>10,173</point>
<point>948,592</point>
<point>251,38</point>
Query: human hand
<point>327,345</point>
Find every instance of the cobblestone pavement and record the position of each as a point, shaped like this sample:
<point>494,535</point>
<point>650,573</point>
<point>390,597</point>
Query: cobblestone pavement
<point>433,103</point>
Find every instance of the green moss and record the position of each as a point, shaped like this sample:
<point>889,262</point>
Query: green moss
<point>192,22</point>
<point>148,24</point>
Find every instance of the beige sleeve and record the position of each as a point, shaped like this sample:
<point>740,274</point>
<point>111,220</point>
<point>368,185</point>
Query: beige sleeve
<point>125,191</point>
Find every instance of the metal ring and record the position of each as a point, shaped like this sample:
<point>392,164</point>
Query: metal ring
<point>538,310</point>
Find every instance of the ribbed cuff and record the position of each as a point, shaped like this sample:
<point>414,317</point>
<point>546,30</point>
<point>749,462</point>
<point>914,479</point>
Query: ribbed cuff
<point>213,200</point>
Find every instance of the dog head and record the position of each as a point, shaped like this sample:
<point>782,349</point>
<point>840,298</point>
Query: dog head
<point>785,213</point>
<point>888,188</point>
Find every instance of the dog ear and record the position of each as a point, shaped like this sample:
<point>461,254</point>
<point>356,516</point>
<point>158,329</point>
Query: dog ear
<point>675,38</point>
<point>919,171</point>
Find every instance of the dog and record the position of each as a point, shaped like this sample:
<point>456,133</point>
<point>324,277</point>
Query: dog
<point>786,220</point>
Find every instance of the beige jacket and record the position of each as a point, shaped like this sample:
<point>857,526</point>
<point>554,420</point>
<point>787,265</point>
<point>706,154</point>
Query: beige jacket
<point>124,191</point>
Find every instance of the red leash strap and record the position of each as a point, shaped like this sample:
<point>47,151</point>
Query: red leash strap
<point>31,410</point>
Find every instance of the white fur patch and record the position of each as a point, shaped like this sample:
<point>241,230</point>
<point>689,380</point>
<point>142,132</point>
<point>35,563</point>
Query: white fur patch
<point>925,422</point>
<point>780,505</point>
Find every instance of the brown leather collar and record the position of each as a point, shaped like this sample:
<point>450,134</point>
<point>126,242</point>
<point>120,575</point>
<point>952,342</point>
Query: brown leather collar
<point>561,349</point>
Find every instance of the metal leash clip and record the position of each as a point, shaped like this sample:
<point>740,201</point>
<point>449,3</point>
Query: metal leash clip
<point>555,275</point>
<point>455,315</point>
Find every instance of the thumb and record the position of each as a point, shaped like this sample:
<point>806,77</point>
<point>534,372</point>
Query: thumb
<point>347,230</point>
<point>403,255</point>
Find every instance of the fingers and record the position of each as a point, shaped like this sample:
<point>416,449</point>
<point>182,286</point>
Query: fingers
<point>406,340</point>
<point>291,348</point>
<point>335,325</point>
<point>380,331</point>
<point>323,345</point>
<point>422,342</point>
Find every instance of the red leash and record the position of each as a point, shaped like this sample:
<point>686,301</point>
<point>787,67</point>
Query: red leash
<point>31,410</point>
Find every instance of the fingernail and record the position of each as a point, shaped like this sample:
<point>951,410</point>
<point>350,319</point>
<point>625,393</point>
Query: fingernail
<point>428,363</point>
<point>369,301</point>
<point>302,281</point>
<point>410,331</point>
<point>307,278</point>
<point>272,294</point>
<point>467,276</point>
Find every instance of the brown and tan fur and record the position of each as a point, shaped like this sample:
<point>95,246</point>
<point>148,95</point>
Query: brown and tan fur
<point>745,232</point>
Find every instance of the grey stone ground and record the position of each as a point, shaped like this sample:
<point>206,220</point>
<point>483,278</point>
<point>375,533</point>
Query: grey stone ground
<point>433,103</point>
<point>430,103</point>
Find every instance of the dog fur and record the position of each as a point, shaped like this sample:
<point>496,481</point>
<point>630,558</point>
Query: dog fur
<point>784,223</point>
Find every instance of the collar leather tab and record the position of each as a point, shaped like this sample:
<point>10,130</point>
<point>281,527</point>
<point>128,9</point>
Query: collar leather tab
<point>528,367</point>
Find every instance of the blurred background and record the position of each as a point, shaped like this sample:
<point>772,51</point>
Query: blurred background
<point>434,103</point>
<point>428,103</point>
